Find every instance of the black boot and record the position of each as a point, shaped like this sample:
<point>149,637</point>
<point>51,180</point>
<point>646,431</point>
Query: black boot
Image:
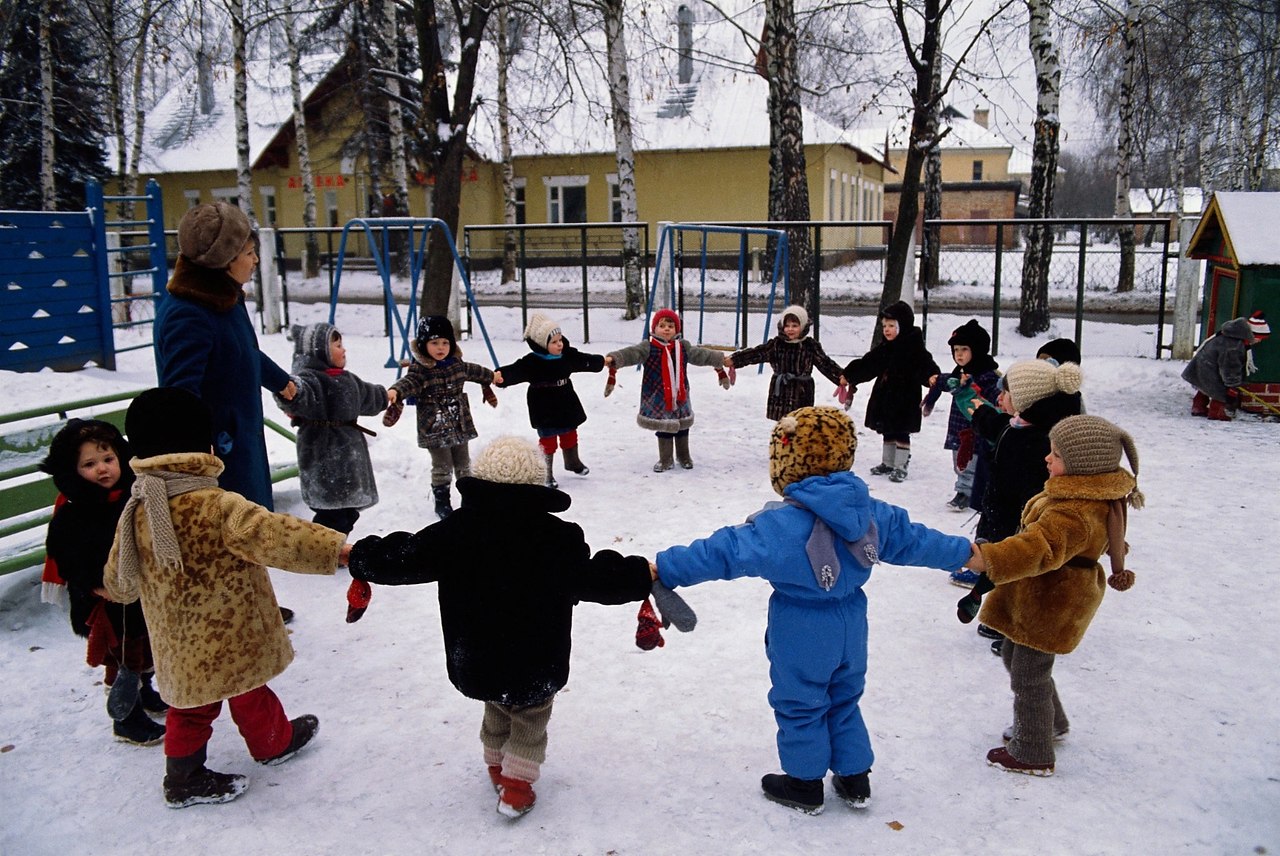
<point>549,458</point>
<point>443,506</point>
<point>801,794</point>
<point>304,728</point>
<point>573,463</point>
<point>138,728</point>
<point>188,782</point>
<point>855,790</point>
<point>149,698</point>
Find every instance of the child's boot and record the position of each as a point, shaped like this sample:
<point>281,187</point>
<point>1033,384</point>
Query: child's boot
<point>682,451</point>
<point>855,790</point>
<point>515,796</point>
<point>188,782</point>
<point>665,459</point>
<point>573,463</point>
<point>138,728</point>
<point>550,459</point>
<point>304,728</point>
<point>886,460</point>
<point>901,457</point>
<point>801,794</point>
<point>443,507</point>
<point>1200,404</point>
<point>1218,411</point>
<point>150,699</point>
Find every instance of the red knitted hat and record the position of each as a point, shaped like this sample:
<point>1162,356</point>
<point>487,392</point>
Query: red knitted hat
<point>669,314</point>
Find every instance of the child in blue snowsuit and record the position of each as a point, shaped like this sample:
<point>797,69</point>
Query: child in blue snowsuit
<point>816,549</point>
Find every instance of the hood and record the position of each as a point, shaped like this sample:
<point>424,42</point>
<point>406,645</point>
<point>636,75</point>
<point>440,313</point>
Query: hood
<point>902,313</point>
<point>1236,328</point>
<point>841,500</point>
<point>1051,410</point>
<point>63,461</point>
<point>311,345</point>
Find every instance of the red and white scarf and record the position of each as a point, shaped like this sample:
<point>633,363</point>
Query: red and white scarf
<point>674,388</point>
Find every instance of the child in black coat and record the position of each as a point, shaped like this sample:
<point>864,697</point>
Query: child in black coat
<point>555,411</point>
<point>510,573</point>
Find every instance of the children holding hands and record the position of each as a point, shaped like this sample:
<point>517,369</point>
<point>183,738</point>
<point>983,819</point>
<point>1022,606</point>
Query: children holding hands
<point>793,355</point>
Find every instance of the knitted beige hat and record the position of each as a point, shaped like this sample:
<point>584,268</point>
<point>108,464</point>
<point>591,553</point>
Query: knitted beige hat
<point>511,460</point>
<point>213,234</point>
<point>811,441</point>
<point>540,330</point>
<point>1028,381</point>
<point>799,314</point>
<point>1090,445</point>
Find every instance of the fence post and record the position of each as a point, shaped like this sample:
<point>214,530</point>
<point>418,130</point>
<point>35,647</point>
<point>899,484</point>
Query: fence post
<point>907,288</point>
<point>155,237</point>
<point>1185,294</point>
<point>115,282</point>
<point>269,300</point>
<point>586,313</point>
<point>996,287</point>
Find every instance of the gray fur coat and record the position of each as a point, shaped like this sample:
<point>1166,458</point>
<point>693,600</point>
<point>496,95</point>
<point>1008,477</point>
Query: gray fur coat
<point>1220,361</point>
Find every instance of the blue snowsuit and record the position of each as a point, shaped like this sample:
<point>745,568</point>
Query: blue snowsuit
<point>817,637</point>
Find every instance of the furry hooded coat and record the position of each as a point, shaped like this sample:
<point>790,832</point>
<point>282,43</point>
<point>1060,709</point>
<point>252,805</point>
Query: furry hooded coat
<point>1219,363</point>
<point>793,362</point>
<point>901,369</point>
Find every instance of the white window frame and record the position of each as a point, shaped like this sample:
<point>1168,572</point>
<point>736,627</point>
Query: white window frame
<point>229,195</point>
<point>270,206</point>
<point>192,197</point>
<point>615,197</point>
<point>331,214</point>
<point>555,185</point>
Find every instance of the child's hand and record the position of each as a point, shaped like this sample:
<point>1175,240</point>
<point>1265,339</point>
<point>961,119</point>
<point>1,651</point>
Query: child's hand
<point>932,380</point>
<point>728,361</point>
<point>497,378</point>
<point>393,395</point>
<point>608,361</point>
<point>289,391</point>
<point>344,556</point>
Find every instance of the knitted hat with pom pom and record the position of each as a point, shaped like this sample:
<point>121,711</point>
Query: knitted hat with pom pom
<point>511,460</point>
<point>1028,381</point>
<point>540,330</point>
<point>811,441</point>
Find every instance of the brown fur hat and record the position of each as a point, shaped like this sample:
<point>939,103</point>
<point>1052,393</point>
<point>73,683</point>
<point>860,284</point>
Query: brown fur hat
<point>213,234</point>
<point>811,441</point>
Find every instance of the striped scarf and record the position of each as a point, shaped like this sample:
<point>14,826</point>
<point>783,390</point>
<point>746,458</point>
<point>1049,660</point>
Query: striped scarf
<point>674,388</point>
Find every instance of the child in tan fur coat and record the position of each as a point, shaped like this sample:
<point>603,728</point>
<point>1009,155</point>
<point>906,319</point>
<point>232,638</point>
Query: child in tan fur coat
<point>1048,580</point>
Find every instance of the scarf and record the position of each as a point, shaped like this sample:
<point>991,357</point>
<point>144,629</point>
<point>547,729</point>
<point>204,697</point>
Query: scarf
<point>674,389</point>
<point>335,372</point>
<point>152,491</point>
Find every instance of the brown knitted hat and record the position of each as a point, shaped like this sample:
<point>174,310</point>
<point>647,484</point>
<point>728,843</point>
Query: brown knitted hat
<point>811,441</point>
<point>1090,445</point>
<point>1028,381</point>
<point>213,234</point>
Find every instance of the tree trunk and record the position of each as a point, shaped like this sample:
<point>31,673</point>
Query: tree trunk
<point>395,135</point>
<point>240,96</point>
<point>620,103</point>
<point>1124,146</point>
<point>139,113</point>
<point>1034,311</point>
<point>930,238</point>
<point>504,146</point>
<point>48,129</point>
<point>311,246</point>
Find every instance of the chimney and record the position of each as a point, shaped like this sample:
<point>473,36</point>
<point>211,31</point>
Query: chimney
<point>980,115</point>
<point>204,81</point>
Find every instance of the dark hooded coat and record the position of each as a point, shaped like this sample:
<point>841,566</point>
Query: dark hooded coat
<point>793,362</point>
<point>901,369</point>
<point>1219,363</point>
<point>553,403</point>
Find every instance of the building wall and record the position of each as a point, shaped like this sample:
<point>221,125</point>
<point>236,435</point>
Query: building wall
<point>968,201</point>
<point>957,163</point>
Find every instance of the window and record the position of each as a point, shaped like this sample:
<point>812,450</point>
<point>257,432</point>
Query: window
<point>268,205</point>
<point>192,197</point>
<point>566,198</point>
<point>844,196</point>
<point>831,195</point>
<point>977,170</point>
<point>615,198</point>
<point>331,207</point>
<point>520,210</point>
<point>229,195</point>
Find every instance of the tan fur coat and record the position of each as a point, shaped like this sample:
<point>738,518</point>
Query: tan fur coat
<point>215,624</point>
<point>1039,601</point>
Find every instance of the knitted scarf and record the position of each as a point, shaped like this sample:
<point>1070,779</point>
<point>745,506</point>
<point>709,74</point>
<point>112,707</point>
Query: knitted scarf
<point>673,383</point>
<point>152,491</point>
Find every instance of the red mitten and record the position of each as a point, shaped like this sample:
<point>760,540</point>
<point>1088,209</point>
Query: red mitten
<point>392,414</point>
<point>733,374</point>
<point>964,454</point>
<point>844,395</point>
<point>611,381</point>
<point>648,628</point>
<point>724,378</point>
<point>359,593</point>
<point>486,392</point>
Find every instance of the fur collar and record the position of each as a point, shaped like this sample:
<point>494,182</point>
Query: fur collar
<point>1105,486</point>
<point>188,463</point>
<point>208,287</point>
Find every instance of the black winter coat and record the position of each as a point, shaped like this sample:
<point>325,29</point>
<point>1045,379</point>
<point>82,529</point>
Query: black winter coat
<point>553,403</point>
<point>1017,467</point>
<point>901,369</point>
<point>510,573</point>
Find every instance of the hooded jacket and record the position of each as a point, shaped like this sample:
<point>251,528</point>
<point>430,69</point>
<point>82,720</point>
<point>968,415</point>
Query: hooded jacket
<point>553,403</point>
<point>901,369</point>
<point>444,411</point>
<point>1219,363</point>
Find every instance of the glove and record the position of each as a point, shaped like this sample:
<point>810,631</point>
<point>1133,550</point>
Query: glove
<point>648,629</point>
<point>486,392</point>
<point>359,593</point>
<point>733,374</point>
<point>968,399</point>
<point>844,395</point>
<point>392,416</point>
<point>611,381</point>
<point>673,608</point>
<point>967,607</point>
<point>965,453</point>
<point>926,408</point>
<point>725,383</point>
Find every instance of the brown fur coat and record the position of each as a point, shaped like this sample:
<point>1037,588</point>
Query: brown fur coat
<point>215,624</point>
<point>1039,600</point>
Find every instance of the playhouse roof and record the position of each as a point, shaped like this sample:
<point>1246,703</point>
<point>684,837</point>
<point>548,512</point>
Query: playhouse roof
<point>1245,224</point>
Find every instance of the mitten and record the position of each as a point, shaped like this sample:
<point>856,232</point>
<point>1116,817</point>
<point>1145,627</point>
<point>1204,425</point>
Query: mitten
<point>673,608</point>
<point>733,374</point>
<point>725,383</point>
<point>123,696</point>
<point>967,399</point>
<point>844,394</point>
<point>648,628</point>
<point>359,593</point>
<point>392,414</point>
<point>964,454</point>
<point>486,392</point>
<point>611,381</point>
<point>967,607</point>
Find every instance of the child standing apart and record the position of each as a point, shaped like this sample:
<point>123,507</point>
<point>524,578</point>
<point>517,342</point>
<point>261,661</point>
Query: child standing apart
<point>333,457</point>
<point>555,411</point>
<point>816,550</point>
<point>970,345</point>
<point>793,356</point>
<point>1048,580</point>
<point>196,554</point>
<point>665,406</point>
<point>509,573</point>
<point>88,460</point>
<point>435,378</point>
<point>1221,364</point>
<point>901,366</point>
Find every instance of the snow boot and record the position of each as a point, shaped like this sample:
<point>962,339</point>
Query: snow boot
<point>665,459</point>
<point>495,776</point>
<point>443,506</point>
<point>886,460</point>
<point>573,463</point>
<point>304,728</point>
<point>138,728</point>
<point>682,451</point>
<point>1002,758</point>
<point>1200,404</point>
<point>550,459</point>
<point>150,699</point>
<point>901,457</point>
<point>1218,411</point>
<point>123,696</point>
<point>855,790</point>
<point>188,782</point>
<point>515,796</point>
<point>801,794</point>
<point>959,502</point>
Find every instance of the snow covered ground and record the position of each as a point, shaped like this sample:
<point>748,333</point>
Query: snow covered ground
<point>1172,695</point>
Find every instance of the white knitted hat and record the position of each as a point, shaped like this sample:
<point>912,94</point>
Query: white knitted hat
<point>511,460</point>
<point>800,315</point>
<point>540,330</point>
<point>1028,381</point>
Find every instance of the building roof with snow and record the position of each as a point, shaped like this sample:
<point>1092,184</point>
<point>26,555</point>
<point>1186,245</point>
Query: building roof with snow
<point>1240,226</point>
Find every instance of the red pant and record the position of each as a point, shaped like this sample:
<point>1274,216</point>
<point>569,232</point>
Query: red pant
<point>258,714</point>
<point>568,440</point>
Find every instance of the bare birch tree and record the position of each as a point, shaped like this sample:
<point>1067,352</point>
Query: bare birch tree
<point>311,245</point>
<point>48,125</point>
<point>620,104</point>
<point>503,13</point>
<point>240,104</point>
<point>1124,142</point>
<point>1033,316</point>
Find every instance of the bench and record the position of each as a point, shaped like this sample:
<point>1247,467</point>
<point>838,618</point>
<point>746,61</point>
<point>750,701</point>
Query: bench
<point>27,495</point>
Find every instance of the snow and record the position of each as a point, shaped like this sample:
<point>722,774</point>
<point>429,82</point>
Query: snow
<point>1172,695</point>
<point>1248,220</point>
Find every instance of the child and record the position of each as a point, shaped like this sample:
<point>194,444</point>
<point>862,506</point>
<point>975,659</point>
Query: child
<point>1048,580</point>
<point>816,550</point>
<point>970,345</point>
<point>196,554</point>
<point>901,366</point>
<point>665,406</point>
<point>554,409</point>
<point>88,460</point>
<point>1220,365</point>
<point>333,457</point>
<point>435,377</point>
<point>793,356</point>
<point>510,572</point>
